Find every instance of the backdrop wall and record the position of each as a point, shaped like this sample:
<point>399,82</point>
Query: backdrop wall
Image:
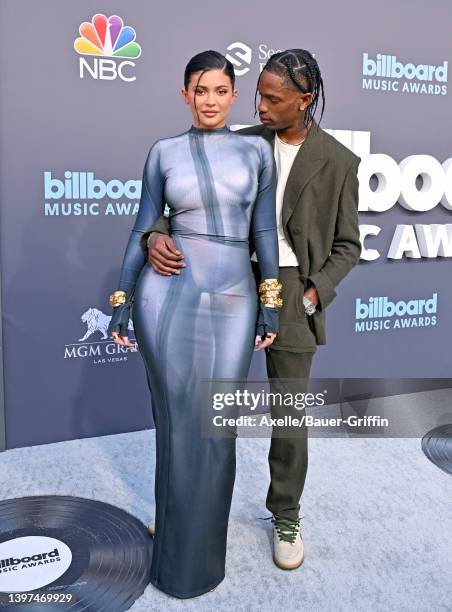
<point>75,132</point>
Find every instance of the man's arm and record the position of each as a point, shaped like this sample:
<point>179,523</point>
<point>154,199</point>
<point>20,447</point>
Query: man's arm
<point>163,255</point>
<point>161,226</point>
<point>346,247</point>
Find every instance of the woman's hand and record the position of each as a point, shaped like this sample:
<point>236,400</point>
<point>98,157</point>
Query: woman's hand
<point>262,342</point>
<point>123,341</point>
<point>119,324</point>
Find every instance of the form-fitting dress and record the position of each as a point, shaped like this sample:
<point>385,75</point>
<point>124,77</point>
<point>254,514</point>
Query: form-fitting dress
<point>220,188</point>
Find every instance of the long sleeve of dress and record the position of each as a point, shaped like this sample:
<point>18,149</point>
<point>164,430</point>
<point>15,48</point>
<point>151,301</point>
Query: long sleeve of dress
<point>264,234</point>
<point>150,208</point>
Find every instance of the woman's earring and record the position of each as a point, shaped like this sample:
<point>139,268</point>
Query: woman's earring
<point>301,107</point>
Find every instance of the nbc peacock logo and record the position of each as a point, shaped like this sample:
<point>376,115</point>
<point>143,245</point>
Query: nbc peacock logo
<point>107,47</point>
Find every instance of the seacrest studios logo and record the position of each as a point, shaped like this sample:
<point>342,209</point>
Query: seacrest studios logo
<point>104,38</point>
<point>82,194</point>
<point>376,314</point>
<point>385,72</point>
<point>32,562</point>
<point>102,351</point>
<point>242,56</point>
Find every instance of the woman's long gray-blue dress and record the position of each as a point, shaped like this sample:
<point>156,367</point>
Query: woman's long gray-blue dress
<point>220,188</point>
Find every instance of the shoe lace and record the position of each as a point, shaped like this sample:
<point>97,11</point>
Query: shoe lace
<point>286,528</point>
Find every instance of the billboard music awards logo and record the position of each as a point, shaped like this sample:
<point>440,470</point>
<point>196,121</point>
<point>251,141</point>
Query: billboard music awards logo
<point>81,194</point>
<point>418,184</point>
<point>102,351</point>
<point>380,313</point>
<point>104,38</point>
<point>388,73</point>
<point>32,562</point>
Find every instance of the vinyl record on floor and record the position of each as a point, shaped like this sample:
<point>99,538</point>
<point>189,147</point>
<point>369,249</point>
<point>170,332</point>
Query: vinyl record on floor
<point>95,554</point>
<point>437,446</point>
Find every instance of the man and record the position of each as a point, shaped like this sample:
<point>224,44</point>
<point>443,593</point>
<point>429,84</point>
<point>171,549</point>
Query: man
<point>316,204</point>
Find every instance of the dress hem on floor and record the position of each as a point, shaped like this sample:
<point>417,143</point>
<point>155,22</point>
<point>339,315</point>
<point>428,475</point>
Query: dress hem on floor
<point>192,593</point>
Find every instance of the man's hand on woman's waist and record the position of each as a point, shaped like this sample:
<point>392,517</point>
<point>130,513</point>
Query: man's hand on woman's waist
<point>163,255</point>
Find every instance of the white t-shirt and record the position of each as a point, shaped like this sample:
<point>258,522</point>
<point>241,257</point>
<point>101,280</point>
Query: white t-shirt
<point>284,157</point>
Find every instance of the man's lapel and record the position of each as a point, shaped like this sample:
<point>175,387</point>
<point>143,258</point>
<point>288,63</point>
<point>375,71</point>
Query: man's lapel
<point>269,135</point>
<point>310,158</point>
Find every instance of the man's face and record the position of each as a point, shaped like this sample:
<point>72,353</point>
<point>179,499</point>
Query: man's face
<point>279,106</point>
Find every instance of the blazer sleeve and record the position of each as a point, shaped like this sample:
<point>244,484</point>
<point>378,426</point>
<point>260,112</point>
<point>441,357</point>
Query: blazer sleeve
<point>150,208</point>
<point>161,226</point>
<point>346,247</point>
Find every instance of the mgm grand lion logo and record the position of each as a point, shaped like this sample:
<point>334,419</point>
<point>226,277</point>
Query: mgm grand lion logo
<point>96,320</point>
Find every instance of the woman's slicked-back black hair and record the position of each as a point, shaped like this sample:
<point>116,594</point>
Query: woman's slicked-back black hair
<point>208,60</point>
<point>299,70</point>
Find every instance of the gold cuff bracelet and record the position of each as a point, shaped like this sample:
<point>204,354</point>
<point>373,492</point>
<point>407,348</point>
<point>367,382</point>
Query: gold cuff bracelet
<point>270,292</point>
<point>117,298</point>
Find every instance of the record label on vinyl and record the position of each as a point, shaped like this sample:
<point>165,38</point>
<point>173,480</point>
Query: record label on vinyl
<point>32,562</point>
<point>96,553</point>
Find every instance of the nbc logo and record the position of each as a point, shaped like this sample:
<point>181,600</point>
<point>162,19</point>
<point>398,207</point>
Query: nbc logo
<point>104,38</point>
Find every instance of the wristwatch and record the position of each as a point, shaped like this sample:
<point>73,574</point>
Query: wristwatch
<point>309,307</point>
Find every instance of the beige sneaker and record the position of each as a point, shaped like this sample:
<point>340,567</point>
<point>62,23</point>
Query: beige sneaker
<point>151,528</point>
<point>288,551</point>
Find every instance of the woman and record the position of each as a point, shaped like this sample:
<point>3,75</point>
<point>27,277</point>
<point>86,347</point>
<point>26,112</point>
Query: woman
<point>202,324</point>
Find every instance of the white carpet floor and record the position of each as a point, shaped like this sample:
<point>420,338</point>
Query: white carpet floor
<point>376,521</point>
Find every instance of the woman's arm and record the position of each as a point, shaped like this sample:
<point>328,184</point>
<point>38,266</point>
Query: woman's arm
<point>150,208</point>
<point>264,234</point>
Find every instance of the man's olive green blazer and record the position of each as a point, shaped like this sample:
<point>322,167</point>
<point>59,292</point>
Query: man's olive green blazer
<point>319,214</point>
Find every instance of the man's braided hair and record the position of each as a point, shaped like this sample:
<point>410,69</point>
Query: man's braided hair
<point>299,71</point>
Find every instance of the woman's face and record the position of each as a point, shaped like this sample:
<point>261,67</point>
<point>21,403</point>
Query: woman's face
<point>213,95</point>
